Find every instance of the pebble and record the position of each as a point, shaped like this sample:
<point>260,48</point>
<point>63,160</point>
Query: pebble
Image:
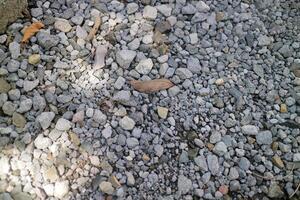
<point>264,137</point>
<point>63,124</point>
<point>30,85</point>
<point>45,119</point>
<point>144,66</point>
<point>130,179</point>
<point>34,59</point>
<point>62,25</point>
<point>19,120</point>
<point>220,148</point>
<point>162,112</point>
<point>14,49</point>
<point>4,86</point>
<point>127,123</point>
<point>107,132</point>
<point>213,164</point>
<point>125,57</point>
<point>42,142</point>
<point>150,12</point>
<point>184,184</point>
<point>250,130</point>
<point>106,187</point>
<point>61,189</point>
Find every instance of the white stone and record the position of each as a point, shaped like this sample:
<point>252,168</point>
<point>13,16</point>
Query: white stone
<point>194,38</point>
<point>42,142</point>
<point>61,189</point>
<point>49,189</point>
<point>144,66</point>
<point>63,124</point>
<point>150,12</point>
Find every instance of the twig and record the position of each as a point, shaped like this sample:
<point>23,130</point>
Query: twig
<point>295,191</point>
<point>262,177</point>
<point>94,29</point>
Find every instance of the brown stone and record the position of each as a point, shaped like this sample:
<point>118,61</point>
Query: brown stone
<point>277,161</point>
<point>4,86</point>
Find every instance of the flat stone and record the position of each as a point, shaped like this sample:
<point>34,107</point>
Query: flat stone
<point>220,148</point>
<point>14,49</point>
<point>278,162</point>
<point>106,187</point>
<point>34,59</point>
<point>201,163</point>
<point>61,189</point>
<point>275,191</point>
<point>130,179</point>
<point>184,184</point>
<point>13,66</point>
<point>183,73</point>
<point>19,120</point>
<point>4,86</point>
<point>42,142</point>
<point>132,142</point>
<point>46,40</point>
<point>250,130</point>
<point>51,174</point>
<point>144,66</point>
<point>150,12</point>
<point>213,164</point>
<point>45,119</point>
<point>63,124</point>
<point>62,25</point>
<point>30,85</point>
<point>127,123</point>
<point>107,132</point>
<point>264,137</point>
<point>159,150</point>
<point>164,9</point>
<point>125,57</point>
<point>162,112</point>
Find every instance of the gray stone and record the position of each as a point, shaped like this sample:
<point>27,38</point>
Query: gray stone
<point>62,25</point>
<point>36,12</point>
<point>296,157</point>
<point>77,19</point>
<point>99,117</point>
<point>264,137</point>
<point>122,96</point>
<point>244,163</point>
<point>30,85</point>
<point>132,142</point>
<point>233,173</point>
<point>127,123</point>
<point>220,148</point>
<point>250,130</point>
<point>63,124</point>
<point>144,66</point>
<point>264,40</point>
<point>119,83</point>
<point>46,40</point>
<point>164,9</point>
<point>215,137</point>
<point>125,57</point>
<point>189,9</point>
<point>275,191</point>
<point>184,184</point>
<point>213,164</point>
<point>45,119</point>
<point>193,65</point>
<point>61,65</point>
<point>9,108</point>
<point>159,150</point>
<point>14,49</point>
<point>14,94</point>
<point>42,142</point>
<point>201,163</point>
<point>202,6</point>
<point>183,73</point>
<point>106,133</point>
<point>81,33</point>
<point>13,66</point>
<point>130,179</point>
<point>132,8</point>
<point>150,12</point>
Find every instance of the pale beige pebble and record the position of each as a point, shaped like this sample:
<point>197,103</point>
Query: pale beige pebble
<point>95,160</point>
<point>34,59</point>
<point>114,181</point>
<point>51,174</point>
<point>106,187</point>
<point>74,138</point>
<point>162,112</point>
<point>219,81</point>
<point>19,120</point>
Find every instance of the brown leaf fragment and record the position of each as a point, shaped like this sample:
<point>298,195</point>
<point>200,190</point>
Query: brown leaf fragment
<point>94,29</point>
<point>31,31</point>
<point>151,85</point>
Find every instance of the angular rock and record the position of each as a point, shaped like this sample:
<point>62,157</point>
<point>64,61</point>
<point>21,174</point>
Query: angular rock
<point>125,57</point>
<point>45,119</point>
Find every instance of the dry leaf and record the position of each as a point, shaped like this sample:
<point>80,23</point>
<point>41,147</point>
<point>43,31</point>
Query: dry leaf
<point>152,85</point>
<point>31,30</point>
<point>94,29</point>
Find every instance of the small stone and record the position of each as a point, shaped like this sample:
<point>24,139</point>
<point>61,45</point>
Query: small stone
<point>264,137</point>
<point>215,137</point>
<point>202,6</point>
<point>81,33</point>
<point>119,82</point>
<point>164,9</point>
<point>275,191</point>
<point>34,59</point>
<point>63,124</point>
<point>61,65</point>
<point>74,138</point>
<point>125,57</point>
<point>13,66</point>
<point>183,73</point>
<point>51,174</point>
<point>21,196</point>
<point>19,120</point>
<point>233,173</point>
<point>162,112</point>
<point>61,189</point>
<point>283,108</point>
<point>45,119</point>
<point>144,66</point>
<point>250,130</point>
<point>4,86</point>
<point>184,184</point>
<point>25,105</point>
<point>296,157</point>
<point>277,161</point>
<point>30,85</point>
<point>150,12</point>
<point>201,163</point>
<point>78,117</point>
<point>244,163</point>
<point>163,26</point>
<point>224,189</point>
<point>127,123</point>
<point>99,117</point>
<point>213,164</point>
<point>159,150</point>
<point>193,64</point>
<point>14,94</point>
<point>107,132</point>
<point>130,179</point>
<point>4,166</point>
<point>77,19</point>
<point>106,187</point>
<point>46,40</point>
<point>219,81</point>
<point>114,181</point>
<point>264,40</point>
<point>132,8</point>
<point>220,148</point>
<point>62,25</point>
<point>189,9</point>
<point>14,49</point>
<point>194,38</point>
<point>132,142</point>
<point>36,12</point>
<point>95,161</point>
<point>42,142</point>
<point>9,108</point>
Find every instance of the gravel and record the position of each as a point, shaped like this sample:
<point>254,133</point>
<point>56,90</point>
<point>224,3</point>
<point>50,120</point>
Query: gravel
<point>73,127</point>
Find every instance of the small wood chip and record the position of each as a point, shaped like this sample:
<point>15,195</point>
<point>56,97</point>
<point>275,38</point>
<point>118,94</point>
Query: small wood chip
<point>152,85</point>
